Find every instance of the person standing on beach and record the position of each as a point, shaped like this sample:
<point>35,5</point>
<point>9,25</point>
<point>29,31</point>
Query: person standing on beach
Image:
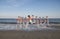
<point>19,21</point>
<point>29,21</point>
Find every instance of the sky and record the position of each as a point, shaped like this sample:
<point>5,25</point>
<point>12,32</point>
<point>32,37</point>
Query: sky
<point>42,8</point>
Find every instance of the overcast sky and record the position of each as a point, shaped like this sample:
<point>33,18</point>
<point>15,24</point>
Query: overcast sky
<point>14,8</point>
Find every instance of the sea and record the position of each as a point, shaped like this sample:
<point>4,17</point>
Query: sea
<point>11,24</point>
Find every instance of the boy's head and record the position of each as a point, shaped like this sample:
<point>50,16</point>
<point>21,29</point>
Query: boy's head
<point>28,15</point>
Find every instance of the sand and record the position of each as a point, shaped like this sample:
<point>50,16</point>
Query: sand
<point>29,35</point>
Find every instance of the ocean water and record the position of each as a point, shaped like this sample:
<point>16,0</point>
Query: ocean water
<point>10,24</point>
<point>54,20</point>
<point>8,20</point>
<point>13,20</point>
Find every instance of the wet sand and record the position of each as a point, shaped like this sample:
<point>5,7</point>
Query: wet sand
<point>29,35</point>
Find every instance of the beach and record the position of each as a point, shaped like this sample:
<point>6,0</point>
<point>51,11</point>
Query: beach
<point>8,31</point>
<point>13,34</point>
